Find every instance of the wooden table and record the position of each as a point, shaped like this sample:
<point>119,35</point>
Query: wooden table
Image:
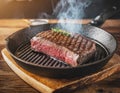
<point>10,82</point>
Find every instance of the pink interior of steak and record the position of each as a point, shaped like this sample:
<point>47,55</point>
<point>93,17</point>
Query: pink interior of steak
<point>73,50</point>
<point>54,50</point>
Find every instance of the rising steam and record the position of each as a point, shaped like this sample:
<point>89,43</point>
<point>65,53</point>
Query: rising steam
<point>71,9</point>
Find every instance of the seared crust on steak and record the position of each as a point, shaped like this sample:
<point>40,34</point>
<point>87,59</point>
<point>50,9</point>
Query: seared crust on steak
<point>73,50</point>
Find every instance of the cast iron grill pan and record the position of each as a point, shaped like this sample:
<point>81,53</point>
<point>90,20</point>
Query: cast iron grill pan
<point>18,45</point>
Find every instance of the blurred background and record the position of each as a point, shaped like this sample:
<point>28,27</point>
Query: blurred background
<point>44,8</point>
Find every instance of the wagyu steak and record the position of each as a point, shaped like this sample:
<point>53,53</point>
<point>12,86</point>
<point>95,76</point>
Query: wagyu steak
<point>74,50</point>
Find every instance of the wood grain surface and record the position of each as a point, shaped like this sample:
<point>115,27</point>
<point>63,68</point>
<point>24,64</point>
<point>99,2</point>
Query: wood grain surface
<point>10,82</point>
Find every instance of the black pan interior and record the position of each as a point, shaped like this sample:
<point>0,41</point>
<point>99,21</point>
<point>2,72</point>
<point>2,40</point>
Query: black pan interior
<point>42,64</point>
<point>25,53</point>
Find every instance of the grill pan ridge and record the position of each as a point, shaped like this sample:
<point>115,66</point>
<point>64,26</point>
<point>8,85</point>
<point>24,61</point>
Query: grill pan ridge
<point>25,53</point>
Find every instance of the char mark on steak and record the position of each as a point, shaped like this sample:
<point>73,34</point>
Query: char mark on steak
<point>73,50</point>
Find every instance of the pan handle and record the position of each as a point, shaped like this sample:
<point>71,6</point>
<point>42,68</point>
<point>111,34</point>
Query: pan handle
<point>107,13</point>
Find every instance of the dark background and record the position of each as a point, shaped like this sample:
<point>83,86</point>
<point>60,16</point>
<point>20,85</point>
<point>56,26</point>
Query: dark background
<point>44,8</point>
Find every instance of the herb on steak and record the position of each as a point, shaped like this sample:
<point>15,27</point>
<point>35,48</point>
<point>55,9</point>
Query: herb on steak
<point>61,31</point>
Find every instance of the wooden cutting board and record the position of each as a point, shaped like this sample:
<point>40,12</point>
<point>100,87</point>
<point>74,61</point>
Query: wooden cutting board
<point>50,85</point>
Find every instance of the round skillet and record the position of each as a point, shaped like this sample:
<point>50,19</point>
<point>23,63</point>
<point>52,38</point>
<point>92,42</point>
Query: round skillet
<point>18,45</point>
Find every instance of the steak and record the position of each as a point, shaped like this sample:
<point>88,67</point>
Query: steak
<point>74,50</point>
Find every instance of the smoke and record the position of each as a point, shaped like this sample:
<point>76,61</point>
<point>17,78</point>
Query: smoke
<point>71,9</point>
